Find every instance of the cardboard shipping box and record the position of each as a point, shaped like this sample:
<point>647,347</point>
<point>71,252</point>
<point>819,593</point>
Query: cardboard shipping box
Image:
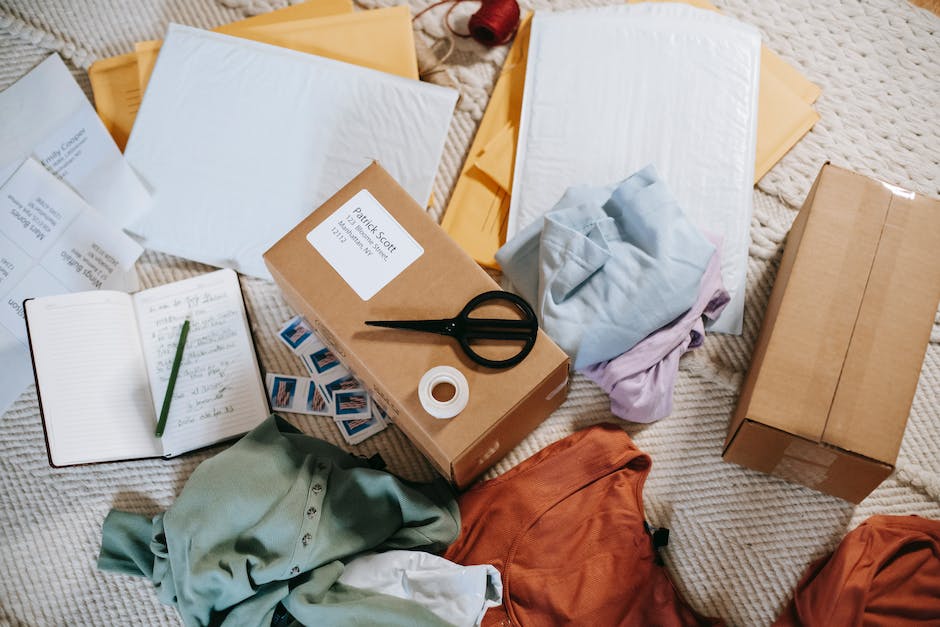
<point>389,260</point>
<point>838,358</point>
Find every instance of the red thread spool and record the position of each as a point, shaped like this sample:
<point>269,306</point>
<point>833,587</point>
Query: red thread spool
<point>495,22</point>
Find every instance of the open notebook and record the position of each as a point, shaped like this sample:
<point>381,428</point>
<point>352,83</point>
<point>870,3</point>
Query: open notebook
<point>102,360</point>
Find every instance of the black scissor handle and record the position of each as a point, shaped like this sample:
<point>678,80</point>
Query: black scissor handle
<point>469,328</point>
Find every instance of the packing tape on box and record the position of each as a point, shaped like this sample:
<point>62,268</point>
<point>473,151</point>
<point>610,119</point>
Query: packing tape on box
<point>443,375</point>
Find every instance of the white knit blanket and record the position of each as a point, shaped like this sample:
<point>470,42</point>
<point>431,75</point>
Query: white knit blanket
<point>740,539</point>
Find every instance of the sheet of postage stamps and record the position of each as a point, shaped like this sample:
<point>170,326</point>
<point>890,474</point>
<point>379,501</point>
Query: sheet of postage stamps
<point>331,390</point>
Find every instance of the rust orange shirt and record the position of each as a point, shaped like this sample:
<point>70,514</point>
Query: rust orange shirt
<point>566,530</point>
<point>884,573</point>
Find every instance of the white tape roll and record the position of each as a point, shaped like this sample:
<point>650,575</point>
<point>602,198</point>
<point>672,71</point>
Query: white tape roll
<point>436,376</point>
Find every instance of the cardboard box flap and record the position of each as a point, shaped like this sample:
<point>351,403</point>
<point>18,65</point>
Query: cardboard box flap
<point>823,295</point>
<point>891,332</point>
<point>828,469</point>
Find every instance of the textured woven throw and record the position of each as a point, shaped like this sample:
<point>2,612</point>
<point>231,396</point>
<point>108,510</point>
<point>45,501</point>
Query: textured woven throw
<point>740,539</point>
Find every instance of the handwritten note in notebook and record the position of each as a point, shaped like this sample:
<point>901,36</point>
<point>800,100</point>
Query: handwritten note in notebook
<point>102,360</point>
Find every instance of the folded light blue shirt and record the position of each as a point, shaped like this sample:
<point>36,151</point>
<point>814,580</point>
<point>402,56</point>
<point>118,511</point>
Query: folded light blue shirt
<point>607,266</point>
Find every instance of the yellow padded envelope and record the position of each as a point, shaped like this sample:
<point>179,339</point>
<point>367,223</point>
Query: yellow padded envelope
<point>381,39</point>
<point>147,53</point>
<point>479,207</point>
<point>302,11</point>
<point>116,87</point>
<point>478,210</point>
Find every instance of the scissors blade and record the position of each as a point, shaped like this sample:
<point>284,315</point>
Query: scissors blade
<point>441,327</point>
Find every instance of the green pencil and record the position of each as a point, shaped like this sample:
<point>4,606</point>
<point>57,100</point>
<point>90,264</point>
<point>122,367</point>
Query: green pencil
<point>171,383</point>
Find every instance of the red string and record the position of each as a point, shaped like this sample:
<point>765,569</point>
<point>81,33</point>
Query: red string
<point>493,24</point>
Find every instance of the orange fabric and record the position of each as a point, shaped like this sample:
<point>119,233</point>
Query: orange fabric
<point>884,573</point>
<point>565,529</point>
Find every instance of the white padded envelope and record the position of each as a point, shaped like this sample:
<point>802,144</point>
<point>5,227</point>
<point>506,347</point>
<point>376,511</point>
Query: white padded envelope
<point>240,140</point>
<point>611,90</point>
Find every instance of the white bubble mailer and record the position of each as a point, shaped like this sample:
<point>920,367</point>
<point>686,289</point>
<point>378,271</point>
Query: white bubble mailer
<point>611,90</point>
<point>241,140</point>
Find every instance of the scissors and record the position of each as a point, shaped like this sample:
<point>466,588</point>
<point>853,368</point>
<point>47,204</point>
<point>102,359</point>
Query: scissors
<point>467,329</point>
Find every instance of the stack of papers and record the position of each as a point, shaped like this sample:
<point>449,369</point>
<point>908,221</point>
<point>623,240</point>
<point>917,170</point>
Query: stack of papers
<point>65,193</point>
<point>46,115</point>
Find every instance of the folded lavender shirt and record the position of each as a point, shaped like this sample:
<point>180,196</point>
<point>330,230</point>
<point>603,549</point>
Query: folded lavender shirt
<point>640,381</point>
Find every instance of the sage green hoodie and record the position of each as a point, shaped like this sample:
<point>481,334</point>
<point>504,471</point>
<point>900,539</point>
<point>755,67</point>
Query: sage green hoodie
<point>270,521</point>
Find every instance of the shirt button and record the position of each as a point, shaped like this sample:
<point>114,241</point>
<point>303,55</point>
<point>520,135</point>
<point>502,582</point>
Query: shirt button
<point>311,512</point>
<point>295,570</point>
<point>317,487</point>
<point>306,539</point>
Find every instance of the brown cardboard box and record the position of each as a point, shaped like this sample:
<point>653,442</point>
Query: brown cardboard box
<point>837,361</point>
<point>504,405</point>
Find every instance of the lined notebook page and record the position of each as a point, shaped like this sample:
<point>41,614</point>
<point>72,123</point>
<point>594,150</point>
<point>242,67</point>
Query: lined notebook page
<point>93,385</point>
<point>218,392</point>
